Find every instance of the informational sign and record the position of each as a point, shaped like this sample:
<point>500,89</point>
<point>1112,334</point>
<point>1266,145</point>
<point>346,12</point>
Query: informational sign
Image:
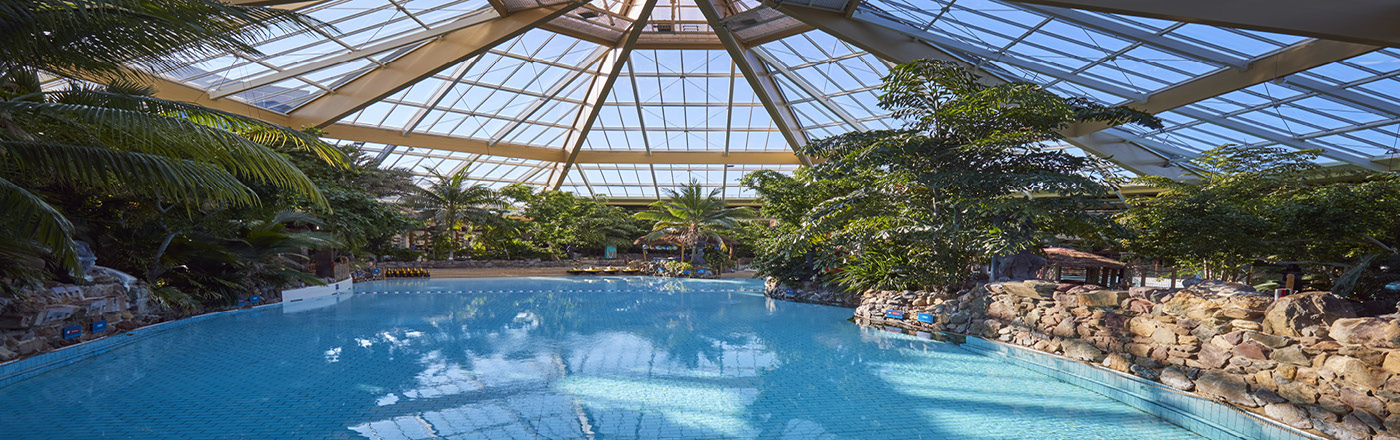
<point>72,331</point>
<point>894,314</point>
<point>926,318</point>
<point>99,326</point>
<point>255,299</point>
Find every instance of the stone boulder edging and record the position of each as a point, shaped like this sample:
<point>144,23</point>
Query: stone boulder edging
<point>1316,368</point>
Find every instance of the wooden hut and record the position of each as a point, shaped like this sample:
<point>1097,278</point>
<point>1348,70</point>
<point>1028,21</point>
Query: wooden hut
<point>1098,269</point>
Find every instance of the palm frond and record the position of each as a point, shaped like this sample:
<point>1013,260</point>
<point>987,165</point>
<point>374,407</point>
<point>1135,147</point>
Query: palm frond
<point>177,179</point>
<point>27,215</point>
<point>175,137</point>
<point>99,37</point>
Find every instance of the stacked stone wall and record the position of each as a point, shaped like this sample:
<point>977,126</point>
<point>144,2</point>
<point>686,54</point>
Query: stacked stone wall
<point>35,320</point>
<point>1305,360</point>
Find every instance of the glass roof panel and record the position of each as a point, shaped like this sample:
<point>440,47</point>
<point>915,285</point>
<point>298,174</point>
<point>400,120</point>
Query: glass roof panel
<point>532,90</point>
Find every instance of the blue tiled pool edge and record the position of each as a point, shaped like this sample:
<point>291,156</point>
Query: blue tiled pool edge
<point>1202,416</point>
<point>21,369</point>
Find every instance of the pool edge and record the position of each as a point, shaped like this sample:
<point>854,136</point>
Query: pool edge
<point>1199,415</point>
<point>21,369</point>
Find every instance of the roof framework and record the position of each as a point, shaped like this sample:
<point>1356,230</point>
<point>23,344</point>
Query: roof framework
<point>624,98</point>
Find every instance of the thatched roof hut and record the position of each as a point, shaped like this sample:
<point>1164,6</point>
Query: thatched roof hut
<point>1065,257</point>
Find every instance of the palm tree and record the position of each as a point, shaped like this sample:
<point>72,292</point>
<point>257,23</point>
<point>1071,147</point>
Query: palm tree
<point>118,137</point>
<point>451,202</point>
<point>693,218</point>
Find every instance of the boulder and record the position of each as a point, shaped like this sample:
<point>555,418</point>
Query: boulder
<point>1291,314</point>
<point>1227,386</point>
<point>1213,356</point>
<point>1077,349</point>
<point>1290,355</point>
<point>1117,361</point>
<point>1164,336</point>
<point>1175,378</point>
<point>1353,371</point>
<point>1267,340</point>
<point>1202,305</point>
<point>1139,306</point>
<point>1361,400</point>
<point>1298,392</point>
<point>1290,415</point>
<point>1102,298</point>
<point>1142,292</point>
<point>1142,326</point>
<point>1034,289</point>
<point>1251,350</point>
<point>1371,332</point>
<point>1218,287</point>
<point>1084,288</point>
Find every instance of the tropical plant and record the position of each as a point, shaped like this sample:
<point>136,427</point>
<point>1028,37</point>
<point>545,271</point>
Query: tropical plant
<point>556,221</point>
<point>452,203</point>
<point>694,218</point>
<point>119,137</point>
<point>1270,206</point>
<point>261,256</point>
<point>965,180</point>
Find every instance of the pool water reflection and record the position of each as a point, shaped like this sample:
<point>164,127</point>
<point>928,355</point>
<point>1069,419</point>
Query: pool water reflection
<point>597,358</point>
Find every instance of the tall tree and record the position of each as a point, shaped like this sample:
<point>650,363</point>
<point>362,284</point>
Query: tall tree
<point>694,217</point>
<point>965,180</point>
<point>452,203</point>
<point>557,220</point>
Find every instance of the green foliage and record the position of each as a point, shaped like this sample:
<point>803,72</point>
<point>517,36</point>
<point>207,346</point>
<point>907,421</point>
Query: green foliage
<point>118,136</point>
<point>965,180</point>
<point>1273,206</point>
<point>556,220</point>
<point>96,37</point>
<point>691,217</point>
<point>453,206</point>
<point>361,219</point>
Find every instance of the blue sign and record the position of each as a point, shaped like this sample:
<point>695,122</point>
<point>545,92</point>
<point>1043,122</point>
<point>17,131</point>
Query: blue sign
<point>72,331</point>
<point>256,299</point>
<point>99,326</point>
<point>894,314</point>
<point>926,317</point>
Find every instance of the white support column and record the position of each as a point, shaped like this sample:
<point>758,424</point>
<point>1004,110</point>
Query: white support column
<point>609,69</point>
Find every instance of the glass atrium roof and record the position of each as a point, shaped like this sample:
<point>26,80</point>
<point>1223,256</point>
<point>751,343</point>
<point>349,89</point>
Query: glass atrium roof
<point>625,98</point>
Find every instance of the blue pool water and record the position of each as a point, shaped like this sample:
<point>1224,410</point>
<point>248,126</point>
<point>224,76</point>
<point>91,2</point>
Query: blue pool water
<point>566,358</point>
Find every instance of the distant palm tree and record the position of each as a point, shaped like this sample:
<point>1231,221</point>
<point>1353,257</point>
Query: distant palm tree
<point>693,217</point>
<point>451,202</point>
<point>118,137</point>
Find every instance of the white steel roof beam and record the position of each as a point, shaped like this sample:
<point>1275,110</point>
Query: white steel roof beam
<point>760,80</point>
<point>610,68</point>
<point>475,18</point>
<point>423,62</point>
<point>1152,39</point>
<point>1283,139</point>
<point>1359,21</point>
<point>808,88</point>
<point>554,90</point>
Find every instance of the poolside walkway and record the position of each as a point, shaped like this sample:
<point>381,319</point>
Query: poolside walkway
<point>533,272</point>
